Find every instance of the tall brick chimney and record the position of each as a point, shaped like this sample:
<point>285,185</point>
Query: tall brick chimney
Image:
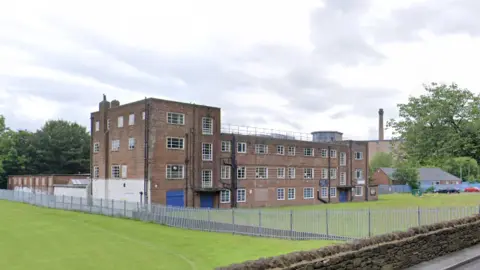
<point>380,125</point>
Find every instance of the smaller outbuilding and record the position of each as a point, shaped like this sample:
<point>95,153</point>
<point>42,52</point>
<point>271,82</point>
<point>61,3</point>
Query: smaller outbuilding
<point>427,177</point>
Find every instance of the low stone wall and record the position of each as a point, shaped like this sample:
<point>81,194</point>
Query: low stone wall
<point>399,250</point>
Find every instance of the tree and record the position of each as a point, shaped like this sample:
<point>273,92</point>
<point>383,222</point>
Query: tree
<point>465,168</point>
<point>441,124</point>
<point>380,160</point>
<point>407,173</point>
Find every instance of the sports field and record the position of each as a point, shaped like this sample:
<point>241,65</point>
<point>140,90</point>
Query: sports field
<point>40,238</point>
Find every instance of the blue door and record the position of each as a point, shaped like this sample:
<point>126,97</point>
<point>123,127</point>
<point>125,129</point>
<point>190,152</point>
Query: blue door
<point>206,200</point>
<point>343,196</point>
<point>176,198</point>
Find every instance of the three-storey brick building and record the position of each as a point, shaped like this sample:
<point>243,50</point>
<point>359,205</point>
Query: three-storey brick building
<point>177,154</point>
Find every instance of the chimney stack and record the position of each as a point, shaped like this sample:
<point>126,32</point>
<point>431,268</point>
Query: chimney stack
<point>380,125</point>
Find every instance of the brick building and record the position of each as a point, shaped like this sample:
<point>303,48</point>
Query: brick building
<point>41,183</point>
<point>188,160</point>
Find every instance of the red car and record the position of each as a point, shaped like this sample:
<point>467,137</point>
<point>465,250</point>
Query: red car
<point>472,189</point>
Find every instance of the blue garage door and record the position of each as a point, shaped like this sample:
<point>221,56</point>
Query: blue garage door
<point>206,200</point>
<point>175,198</point>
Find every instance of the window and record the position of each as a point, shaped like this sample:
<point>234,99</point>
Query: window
<point>207,154</point>
<point>291,173</point>
<point>225,172</point>
<point>291,151</point>
<point>358,155</point>
<point>115,145</point>
<point>261,149</point>
<point>324,192</point>
<point>261,173</point>
<point>324,173</point>
<point>207,126</point>
<point>281,173</point>
<point>175,143</point>
<point>120,122</point>
<point>241,147</point>
<point>97,126</point>
<point>115,171</point>
<point>333,192</point>
<point>131,143</point>
<point>96,172</point>
<point>108,124</point>
<point>308,173</point>
<point>358,174</point>
<point>241,172</point>
<point>359,191</point>
<point>333,173</point>
<point>291,193</point>
<point>308,152</point>
<point>280,194</point>
<point>343,178</point>
<point>226,145</point>
<point>280,150</point>
<point>324,153</point>
<point>143,115</point>
<point>174,171</point>
<point>207,179</point>
<point>176,118</point>
<point>333,153</point>
<point>131,119</point>
<point>241,195</point>
<point>343,159</point>
<point>308,193</point>
<point>225,196</point>
<point>96,147</point>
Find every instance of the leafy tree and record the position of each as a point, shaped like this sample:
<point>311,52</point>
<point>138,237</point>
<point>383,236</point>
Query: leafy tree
<point>380,160</point>
<point>407,173</point>
<point>464,167</point>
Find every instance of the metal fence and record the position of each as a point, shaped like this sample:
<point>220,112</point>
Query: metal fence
<point>320,224</point>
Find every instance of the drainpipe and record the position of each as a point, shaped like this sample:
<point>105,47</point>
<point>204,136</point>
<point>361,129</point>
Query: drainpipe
<point>329,176</point>
<point>146,152</point>
<point>367,171</point>
<point>234,185</point>
<point>187,158</point>
<point>350,168</point>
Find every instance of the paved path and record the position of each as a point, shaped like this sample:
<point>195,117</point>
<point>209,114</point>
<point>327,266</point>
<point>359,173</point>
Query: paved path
<point>448,262</point>
<point>475,265</point>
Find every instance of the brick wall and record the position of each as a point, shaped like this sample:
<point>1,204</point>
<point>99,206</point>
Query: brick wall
<point>399,250</point>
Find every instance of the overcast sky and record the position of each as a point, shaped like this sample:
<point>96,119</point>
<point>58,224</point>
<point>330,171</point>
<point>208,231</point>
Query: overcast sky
<point>287,65</point>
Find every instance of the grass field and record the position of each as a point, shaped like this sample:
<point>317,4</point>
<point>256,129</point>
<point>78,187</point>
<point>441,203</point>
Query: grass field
<point>40,238</point>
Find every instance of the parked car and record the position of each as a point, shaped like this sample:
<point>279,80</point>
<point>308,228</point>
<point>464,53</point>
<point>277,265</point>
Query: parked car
<point>448,190</point>
<point>472,189</point>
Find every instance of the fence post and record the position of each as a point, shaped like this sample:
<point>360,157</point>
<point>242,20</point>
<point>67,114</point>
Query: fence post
<point>419,216</point>
<point>291,224</point>
<point>260,222</point>
<point>369,223</point>
<point>71,202</point>
<point>326,222</point>
<point>125,208</point>
<point>209,221</point>
<point>81,204</point>
<point>55,202</point>
<point>113,207</point>
<point>63,201</point>
<point>233,221</point>
<point>101,206</point>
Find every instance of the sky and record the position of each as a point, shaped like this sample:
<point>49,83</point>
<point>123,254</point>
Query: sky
<point>277,64</point>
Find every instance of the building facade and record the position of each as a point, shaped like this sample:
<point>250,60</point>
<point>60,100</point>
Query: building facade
<point>178,154</point>
<point>426,177</point>
<point>41,183</point>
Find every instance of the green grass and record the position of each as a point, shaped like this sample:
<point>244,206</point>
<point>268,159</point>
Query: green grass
<point>40,238</point>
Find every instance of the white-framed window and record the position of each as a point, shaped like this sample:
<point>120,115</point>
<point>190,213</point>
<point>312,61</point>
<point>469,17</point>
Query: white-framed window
<point>343,178</point>
<point>226,146</point>
<point>308,193</point>
<point>207,152</point>
<point>241,195</point>
<point>280,194</point>
<point>291,151</point>
<point>96,147</point>
<point>291,193</point>
<point>324,192</point>
<point>175,143</point>
<point>261,149</point>
<point>308,173</point>
<point>207,126</point>
<point>291,173</point>
<point>343,159</point>
<point>108,124</point>
<point>207,179</point>
<point>115,171</point>
<point>225,196</point>
<point>281,173</point>
<point>333,173</point>
<point>241,147</point>
<point>308,152</point>
<point>261,173</point>
<point>176,118</point>
<point>358,174</point>
<point>280,150</point>
<point>333,192</point>
<point>115,145</point>
<point>333,153</point>
<point>96,172</point>
<point>131,143</point>
<point>97,126</point>
<point>324,153</point>
<point>324,173</point>
<point>241,173</point>
<point>124,171</point>
<point>358,155</point>
<point>359,191</point>
<point>225,172</point>
<point>175,171</point>
<point>131,119</point>
<point>120,121</point>
<point>143,115</point>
